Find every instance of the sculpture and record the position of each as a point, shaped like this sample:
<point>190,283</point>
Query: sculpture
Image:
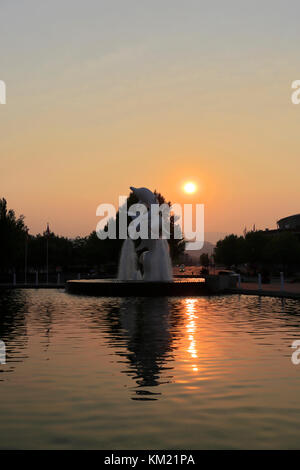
<point>150,259</point>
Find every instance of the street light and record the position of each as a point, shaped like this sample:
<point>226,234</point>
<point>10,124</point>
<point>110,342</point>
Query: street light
<point>47,254</point>
<point>26,252</point>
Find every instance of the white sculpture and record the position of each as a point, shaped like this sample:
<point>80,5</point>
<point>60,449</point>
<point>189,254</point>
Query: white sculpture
<point>152,254</point>
<point>144,195</point>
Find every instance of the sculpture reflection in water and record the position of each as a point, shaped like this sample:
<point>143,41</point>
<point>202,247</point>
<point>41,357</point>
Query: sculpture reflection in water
<point>146,329</point>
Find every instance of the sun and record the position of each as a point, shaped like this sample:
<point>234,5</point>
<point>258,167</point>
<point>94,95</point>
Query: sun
<point>190,187</point>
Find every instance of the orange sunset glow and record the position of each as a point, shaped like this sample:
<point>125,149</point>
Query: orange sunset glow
<point>149,228</point>
<point>114,113</point>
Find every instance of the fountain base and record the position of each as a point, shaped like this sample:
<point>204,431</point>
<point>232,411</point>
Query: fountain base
<point>117,288</point>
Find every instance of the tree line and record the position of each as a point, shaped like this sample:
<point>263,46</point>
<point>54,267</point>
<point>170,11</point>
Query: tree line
<point>19,248</point>
<point>278,250</point>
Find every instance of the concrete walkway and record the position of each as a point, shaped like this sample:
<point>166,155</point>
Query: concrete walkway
<point>291,290</point>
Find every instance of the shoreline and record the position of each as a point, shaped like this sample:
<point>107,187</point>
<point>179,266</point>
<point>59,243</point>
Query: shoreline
<point>273,290</point>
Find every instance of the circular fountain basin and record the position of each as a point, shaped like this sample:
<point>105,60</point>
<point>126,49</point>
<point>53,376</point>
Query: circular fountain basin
<point>116,288</point>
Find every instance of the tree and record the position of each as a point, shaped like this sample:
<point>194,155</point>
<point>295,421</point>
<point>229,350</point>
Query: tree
<point>13,236</point>
<point>260,250</point>
<point>284,250</point>
<point>67,253</point>
<point>204,260</point>
<point>230,251</point>
<point>255,248</point>
<point>60,250</point>
<point>177,246</point>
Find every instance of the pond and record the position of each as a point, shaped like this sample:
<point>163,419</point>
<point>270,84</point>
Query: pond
<point>148,373</point>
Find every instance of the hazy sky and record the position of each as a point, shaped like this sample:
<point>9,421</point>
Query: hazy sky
<point>102,95</point>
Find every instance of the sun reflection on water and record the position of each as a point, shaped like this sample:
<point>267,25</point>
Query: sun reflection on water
<point>190,308</point>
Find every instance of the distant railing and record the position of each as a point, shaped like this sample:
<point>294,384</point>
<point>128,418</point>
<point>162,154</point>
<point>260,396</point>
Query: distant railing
<point>41,278</point>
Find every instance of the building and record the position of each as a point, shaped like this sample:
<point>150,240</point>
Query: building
<point>289,223</point>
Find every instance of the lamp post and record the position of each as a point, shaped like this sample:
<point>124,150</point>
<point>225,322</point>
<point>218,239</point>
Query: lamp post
<point>47,262</point>
<point>281,281</point>
<point>26,254</point>
<point>47,253</point>
<point>259,281</point>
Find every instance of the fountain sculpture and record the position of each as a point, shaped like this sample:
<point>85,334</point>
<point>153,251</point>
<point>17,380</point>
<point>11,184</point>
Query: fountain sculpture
<point>145,268</point>
<point>150,260</point>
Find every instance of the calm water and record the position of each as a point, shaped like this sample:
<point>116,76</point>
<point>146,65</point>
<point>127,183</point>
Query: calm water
<point>194,373</point>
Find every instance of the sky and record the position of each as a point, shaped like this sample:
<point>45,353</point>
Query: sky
<point>103,95</point>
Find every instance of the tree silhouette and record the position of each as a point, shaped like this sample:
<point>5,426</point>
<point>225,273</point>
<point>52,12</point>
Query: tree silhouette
<point>204,260</point>
<point>260,250</point>
<point>80,253</point>
<point>13,236</point>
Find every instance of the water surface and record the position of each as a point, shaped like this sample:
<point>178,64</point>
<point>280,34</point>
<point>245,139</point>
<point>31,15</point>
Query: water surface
<point>170,373</point>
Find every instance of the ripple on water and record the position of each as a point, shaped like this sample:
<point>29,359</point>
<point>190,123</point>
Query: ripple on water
<point>207,372</point>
